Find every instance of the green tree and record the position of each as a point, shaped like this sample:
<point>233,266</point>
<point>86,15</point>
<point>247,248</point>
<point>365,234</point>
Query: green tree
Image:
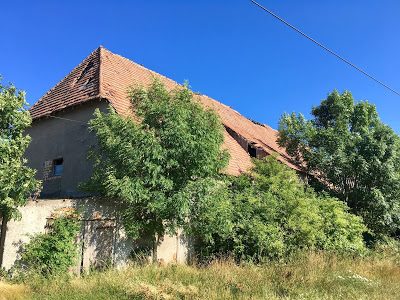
<point>146,161</point>
<point>352,154</point>
<point>16,179</point>
<point>269,214</point>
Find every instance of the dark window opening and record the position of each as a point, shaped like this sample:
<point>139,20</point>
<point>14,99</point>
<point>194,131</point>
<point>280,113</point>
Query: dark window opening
<point>87,84</point>
<point>252,151</point>
<point>86,70</point>
<point>57,166</point>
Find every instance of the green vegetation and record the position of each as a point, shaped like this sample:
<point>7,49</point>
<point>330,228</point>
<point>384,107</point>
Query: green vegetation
<point>162,164</point>
<point>16,179</point>
<point>54,252</point>
<point>353,155</point>
<point>307,276</point>
<point>163,169</point>
<point>270,214</point>
<point>146,161</point>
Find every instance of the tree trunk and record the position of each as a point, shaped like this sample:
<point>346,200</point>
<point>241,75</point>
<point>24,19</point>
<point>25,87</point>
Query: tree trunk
<point>155,242</point>
<point>3,237</point>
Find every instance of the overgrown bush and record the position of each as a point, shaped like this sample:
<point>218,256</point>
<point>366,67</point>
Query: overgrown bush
<point>270,214</point>
<point>54,252</point>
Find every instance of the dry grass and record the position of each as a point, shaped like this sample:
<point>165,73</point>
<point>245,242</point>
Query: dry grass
<point>311,276</point>
<point>12,291</point>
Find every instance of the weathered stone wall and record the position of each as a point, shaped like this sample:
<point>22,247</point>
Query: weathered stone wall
<point>103,238</point>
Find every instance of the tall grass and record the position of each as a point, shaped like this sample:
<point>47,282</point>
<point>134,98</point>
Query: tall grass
<point>307,276</point>
<point>12,291</point>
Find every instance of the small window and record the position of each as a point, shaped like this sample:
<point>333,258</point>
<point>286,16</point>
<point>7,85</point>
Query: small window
<point>252,151</point>
<point>57,166</point>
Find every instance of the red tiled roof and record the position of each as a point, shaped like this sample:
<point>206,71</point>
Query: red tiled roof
<point>106,75</point>
<point>79,86</point>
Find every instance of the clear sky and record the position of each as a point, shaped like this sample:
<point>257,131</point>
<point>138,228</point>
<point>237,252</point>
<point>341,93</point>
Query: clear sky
<point>231,50</point>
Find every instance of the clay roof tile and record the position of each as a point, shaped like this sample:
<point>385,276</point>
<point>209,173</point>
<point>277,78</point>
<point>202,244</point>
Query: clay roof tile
<point>104,74</point>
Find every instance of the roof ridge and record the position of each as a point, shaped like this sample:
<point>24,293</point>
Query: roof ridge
<point>219,102</point>
<point>269,127</point>
<point>140,66</point>
<point>101,49</point>
<point>169,79</point>
<point>151,71</point>
<point>62,80</point>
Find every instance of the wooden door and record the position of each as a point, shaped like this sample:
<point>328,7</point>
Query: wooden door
<point>98,244</point>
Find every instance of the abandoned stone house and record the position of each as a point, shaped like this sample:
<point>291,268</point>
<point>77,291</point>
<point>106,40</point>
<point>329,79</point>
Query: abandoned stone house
<point>58,151</point>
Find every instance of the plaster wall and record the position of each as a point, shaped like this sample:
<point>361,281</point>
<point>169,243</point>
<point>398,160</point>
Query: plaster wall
<point>174,248</point>
<point>54,138</point>
<point>103,237</point>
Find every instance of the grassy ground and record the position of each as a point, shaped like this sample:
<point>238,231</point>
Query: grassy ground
<point>313,276</point>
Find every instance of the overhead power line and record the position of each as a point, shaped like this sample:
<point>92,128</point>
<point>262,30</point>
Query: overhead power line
<point>65,119</point>
<point>322,46</point>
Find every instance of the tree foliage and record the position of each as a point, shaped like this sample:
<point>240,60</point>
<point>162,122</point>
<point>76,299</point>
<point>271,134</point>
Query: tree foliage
<point>146,161</point>
<point>16,179</point>
<point>270,214</point>
<point>54,252</point>
<point>352,154</point>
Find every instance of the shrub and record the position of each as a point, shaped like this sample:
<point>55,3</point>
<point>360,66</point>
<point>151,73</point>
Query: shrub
<point>54,252</point>
<point>271,214</point>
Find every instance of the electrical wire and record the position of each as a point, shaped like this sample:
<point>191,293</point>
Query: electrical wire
<point>322,46</point>
<point>65,119</point>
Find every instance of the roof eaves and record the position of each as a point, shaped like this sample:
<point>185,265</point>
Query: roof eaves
<point>72,106</point>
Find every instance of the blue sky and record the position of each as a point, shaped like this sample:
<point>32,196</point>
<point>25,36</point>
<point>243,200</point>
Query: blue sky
<point>231,51</point>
